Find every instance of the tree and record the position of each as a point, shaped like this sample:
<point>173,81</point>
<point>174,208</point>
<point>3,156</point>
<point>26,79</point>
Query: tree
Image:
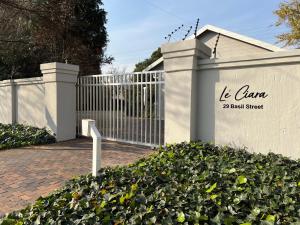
<point>70,31</point>
<point>289,14</point>
<point>144,64</point>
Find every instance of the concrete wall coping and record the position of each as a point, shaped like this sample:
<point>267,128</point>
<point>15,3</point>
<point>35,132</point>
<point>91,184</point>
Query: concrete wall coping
<point>23,81</point>
<point>185,48</point>
<point>58,66</point>
<point>283,57</point>
<point>59,72</point>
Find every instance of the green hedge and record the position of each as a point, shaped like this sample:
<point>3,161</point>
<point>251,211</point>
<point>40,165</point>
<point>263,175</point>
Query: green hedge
<point>193,183</point>
<point>13,136</point>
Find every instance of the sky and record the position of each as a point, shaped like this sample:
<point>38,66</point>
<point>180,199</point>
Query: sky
<point>137,27</point>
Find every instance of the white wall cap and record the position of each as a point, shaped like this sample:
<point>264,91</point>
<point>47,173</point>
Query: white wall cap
<point>59,72</point>
<point>181,46</point>
<point>60,66</point>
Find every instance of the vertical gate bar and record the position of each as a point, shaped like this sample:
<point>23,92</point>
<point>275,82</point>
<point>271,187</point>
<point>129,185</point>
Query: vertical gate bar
<point>142,106</point>
<point>120,106</point>
<point>155,109</point>
<point>81,102</point>
<point>110,106</point>
<point>92,99</point>
<point>123,102</point>
<point>76,87</point>
<point>113,106</point>
<point>133,107</point>
<point>96,103</point>
<point>124,95</point>
<point>89,97</point>
<point>159,135</point>
<point>84,98</point>
<point>117,108</point>
<point>79,105</point>
<point>146,106</point>
<point>150,116</point>
<point>99,105</point>
<point>130,113</point>
<point>163,108</point>
<point>102,106</point>
<point>126,100</point>
<point>123,106</point>
<point>137,108</point>
<point>126,107</point>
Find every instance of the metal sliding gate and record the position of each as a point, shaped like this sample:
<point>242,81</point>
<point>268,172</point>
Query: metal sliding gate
<point>126,107</point>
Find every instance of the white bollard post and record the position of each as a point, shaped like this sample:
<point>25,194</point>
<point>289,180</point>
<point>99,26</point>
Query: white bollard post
<point>89,129</point>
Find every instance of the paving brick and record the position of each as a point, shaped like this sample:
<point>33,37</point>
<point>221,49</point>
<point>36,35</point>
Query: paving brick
<point>27,173</point>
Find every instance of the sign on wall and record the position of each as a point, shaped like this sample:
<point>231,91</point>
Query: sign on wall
<point>246,114</point>
<point>241,97</point>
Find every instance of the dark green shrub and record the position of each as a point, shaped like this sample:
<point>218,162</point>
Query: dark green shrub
<point>193,183</point>
<point>13,136</point>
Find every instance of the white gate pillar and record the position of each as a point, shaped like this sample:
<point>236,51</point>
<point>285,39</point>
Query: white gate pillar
<point>180,65</point>
<point>60,99</point>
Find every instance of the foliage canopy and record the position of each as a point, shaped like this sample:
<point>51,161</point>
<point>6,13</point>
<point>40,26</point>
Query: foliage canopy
<point>34,32</point>
<point>289,14</point>
<point>139,67</point>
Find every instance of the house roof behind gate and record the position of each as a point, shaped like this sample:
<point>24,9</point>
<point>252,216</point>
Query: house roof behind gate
<point>253,45</point>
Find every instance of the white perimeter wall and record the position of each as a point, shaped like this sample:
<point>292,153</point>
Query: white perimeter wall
<point>29,102</point>
<point>5,102</point>
<point>48,101</point>
<point>22,101</point>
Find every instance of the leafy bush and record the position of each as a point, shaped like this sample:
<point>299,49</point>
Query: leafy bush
<point>13,136</point>
<point>193,183</point>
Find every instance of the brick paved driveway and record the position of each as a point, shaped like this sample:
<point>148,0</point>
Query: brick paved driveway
<point>27,173</point>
